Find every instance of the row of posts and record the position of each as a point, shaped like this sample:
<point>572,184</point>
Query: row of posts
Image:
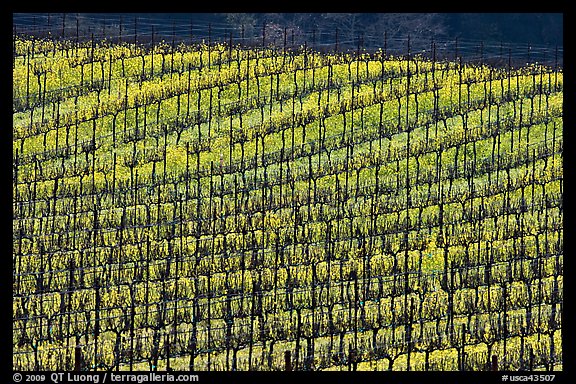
<point>352,361</point>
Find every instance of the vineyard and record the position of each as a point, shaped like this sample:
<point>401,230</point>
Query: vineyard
<point>221,207</point>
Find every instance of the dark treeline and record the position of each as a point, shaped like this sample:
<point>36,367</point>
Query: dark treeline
<point>500,39</point>
<point>512,28</point>
<point>508,28</point>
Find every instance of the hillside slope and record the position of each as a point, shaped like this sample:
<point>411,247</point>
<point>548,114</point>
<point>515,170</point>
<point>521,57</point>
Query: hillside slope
<point>211,207</point>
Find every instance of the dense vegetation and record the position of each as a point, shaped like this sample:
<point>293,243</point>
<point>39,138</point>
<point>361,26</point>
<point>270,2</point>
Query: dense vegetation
<point>209,207</point>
